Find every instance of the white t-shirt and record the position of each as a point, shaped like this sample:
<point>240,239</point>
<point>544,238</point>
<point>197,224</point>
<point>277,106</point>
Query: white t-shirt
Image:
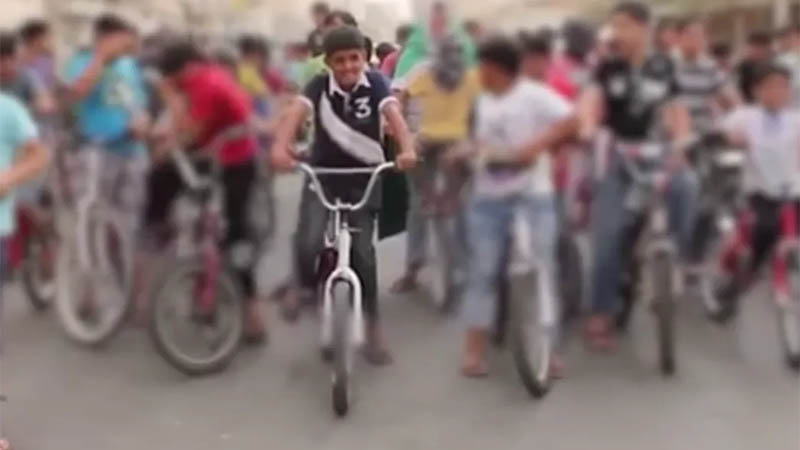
<point>773,149</point>
<point>505,124</point>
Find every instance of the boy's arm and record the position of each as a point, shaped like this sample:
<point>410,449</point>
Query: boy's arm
<point>292,119</point>
<point>407,157</point>
<point>32,160</point>
<point>556,134</point>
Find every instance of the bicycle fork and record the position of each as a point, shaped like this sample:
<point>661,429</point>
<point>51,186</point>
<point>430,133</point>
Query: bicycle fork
<point>343,273</point>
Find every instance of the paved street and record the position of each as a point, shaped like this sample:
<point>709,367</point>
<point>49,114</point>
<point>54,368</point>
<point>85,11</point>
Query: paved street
<point>731,393</point>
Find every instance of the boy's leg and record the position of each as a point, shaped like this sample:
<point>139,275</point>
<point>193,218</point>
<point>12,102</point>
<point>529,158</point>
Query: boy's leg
<point>238,183</point>
<point>489,222</point>
<point>309,241</point>
<point>365,264</point>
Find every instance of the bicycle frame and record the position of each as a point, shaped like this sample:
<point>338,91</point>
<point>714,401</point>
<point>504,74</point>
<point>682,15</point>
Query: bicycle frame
<point>341,239</point>
<point>656,238</point>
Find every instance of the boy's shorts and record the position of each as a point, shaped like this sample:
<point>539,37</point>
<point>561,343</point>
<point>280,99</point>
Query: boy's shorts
<point>121,181</point>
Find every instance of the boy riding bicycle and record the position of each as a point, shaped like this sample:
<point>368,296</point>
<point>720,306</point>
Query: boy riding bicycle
<point>769,131</point>
<point>515,124</point>
<point>349,104</point>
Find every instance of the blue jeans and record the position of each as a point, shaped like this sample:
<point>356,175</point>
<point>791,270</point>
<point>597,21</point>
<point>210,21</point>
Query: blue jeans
<point>610,220</point>
<point>490,223</point>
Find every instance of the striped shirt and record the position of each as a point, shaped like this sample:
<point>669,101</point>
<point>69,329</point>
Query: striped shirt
<point>698,82</point>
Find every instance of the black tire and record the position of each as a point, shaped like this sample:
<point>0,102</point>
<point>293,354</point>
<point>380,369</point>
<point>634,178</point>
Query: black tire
<point>501,314</point>
<point>342,349</point>
<point>113,243</point>
<point>570,277</point>
<point>32,278</point>
<point>229,295</point>
<point>664,311</point>
<point>789,318</point>
<point>534,372</point>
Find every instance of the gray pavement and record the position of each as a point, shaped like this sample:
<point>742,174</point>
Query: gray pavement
<point>731,392</point>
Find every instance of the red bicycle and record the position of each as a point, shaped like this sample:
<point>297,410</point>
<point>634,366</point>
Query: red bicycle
<point>731,275</point>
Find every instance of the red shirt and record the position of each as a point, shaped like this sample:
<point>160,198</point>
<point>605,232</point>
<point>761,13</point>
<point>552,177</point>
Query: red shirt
<point>217,103</point>
<point>390,63</point>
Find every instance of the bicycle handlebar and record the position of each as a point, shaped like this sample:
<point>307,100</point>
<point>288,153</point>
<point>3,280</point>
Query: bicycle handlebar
<point>374,173</point>
<point>187,170</point>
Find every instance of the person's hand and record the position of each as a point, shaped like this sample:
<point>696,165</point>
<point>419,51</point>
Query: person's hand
<point>112,46</point>
<point>676,161</point>
<point>282,159</point>
<point>406,160</point>
<point>5,186</point>
<point>140,126</point>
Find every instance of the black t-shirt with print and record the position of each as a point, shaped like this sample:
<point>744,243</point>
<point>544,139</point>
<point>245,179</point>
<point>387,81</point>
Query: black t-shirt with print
<point>633,98</point>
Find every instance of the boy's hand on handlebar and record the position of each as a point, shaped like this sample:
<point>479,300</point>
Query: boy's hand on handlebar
<point>406,160</point>
<point>282,160</point>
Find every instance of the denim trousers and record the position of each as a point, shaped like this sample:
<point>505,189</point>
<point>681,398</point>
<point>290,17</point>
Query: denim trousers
<point>490,228</point>
<point>611,222</point>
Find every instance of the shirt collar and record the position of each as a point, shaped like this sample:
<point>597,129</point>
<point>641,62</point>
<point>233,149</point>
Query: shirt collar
<point>333,86</point>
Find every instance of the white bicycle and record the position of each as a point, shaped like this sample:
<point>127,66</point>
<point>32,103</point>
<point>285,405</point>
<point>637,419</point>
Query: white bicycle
<point>342,318</point>
<point>95,264</point>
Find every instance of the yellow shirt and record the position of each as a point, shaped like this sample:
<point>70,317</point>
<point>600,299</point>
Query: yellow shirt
<point>444,114</point>
<point>250,80</point>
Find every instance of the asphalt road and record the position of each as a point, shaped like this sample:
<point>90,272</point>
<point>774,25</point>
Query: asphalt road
<point>731,392</point>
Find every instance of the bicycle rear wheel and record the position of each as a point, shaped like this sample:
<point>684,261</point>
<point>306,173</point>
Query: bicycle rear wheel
<point>532,340</point>
<point>789,315</point>
<point>570,276</point>
<point>193,343</point>
<point>661,276</point>
<point>343,348</point>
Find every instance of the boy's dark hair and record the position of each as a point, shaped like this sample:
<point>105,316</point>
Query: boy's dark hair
<point>501,52</point>
<point>535,44</point>
<point>342,15</point>
<point>33,29</point>
<point>721,50</point>
<point>252,45</point>
<point>320,8</point>
<point>177,56</point>
<point>8,45</point>
<point>402,34</point>
<point>579,38</point>
<point>384,49</point>
<point>635,10</point>
<point>759,38</point>
<point>110,24</point>
<point>343,38</point>
<point>767,70</point>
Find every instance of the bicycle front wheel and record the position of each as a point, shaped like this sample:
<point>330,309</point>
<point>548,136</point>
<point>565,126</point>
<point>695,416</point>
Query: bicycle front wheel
<point>343,348</point>
<point>93,291</point>
<point>661,275</point>
<point>532,340</point>
<point>789,314</point>
<point>195,339</point>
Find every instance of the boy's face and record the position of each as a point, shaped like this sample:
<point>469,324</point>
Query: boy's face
<point>774,92</point>
<point>535,66</point>
<point>629,33</point>
<point>347,66</point>
<point>493,78</point>
<point>693,39</point>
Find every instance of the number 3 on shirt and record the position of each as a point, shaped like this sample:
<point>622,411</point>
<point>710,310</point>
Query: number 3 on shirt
<point>363,110</point>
